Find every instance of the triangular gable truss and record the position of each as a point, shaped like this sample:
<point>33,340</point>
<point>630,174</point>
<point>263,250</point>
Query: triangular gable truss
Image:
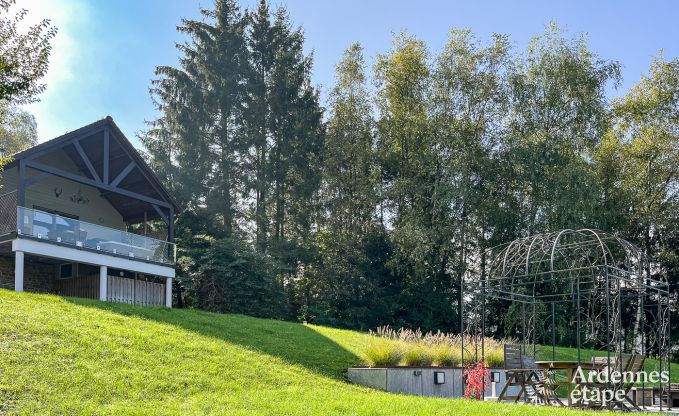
<point>96,165</point>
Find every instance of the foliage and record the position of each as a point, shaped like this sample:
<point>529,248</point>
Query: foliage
<point>347,285</point>
<point>373,209</point>
<point>347,281</point>
<point>494,357</point>
<point>239,136</point>
<point>446,355</point>
<point>24,56</point>
<point>418,355</point>
<point>18,129</point>
<point>229,276</point>
<point>381,352</point>
<point>3,161</point>
<point>439,348</point>
<point>645,142</point>
<point>476,378</point>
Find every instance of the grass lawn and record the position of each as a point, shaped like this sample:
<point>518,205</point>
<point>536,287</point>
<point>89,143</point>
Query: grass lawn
<point>74,356</point>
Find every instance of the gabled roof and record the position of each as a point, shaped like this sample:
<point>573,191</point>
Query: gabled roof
<point>122,154</point>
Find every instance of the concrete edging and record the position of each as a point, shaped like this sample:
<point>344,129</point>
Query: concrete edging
<point>419,381</point>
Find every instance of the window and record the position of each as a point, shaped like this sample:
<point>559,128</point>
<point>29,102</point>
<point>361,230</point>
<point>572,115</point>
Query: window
<point>66,271</point>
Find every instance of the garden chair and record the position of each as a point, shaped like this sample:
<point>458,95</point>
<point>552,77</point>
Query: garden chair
<point>538,386</point>
<point>635,366</point>
<point>515,374</point>
<point>605,366</point>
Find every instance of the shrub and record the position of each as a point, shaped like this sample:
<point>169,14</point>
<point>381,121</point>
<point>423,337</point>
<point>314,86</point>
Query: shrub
<point>443,349</point>
<point>476,377</point>
<point>470,359</point>
<point>495,358</point>
<point>382,352</point>
<point>418,355</point>
<point>446,356</point>
<point>228,275</point>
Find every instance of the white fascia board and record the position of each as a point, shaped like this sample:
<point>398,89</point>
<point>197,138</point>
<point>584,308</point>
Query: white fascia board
<point>83,256</point>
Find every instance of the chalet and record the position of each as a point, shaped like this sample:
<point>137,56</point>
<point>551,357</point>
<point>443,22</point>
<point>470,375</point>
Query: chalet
<point>83,215</point>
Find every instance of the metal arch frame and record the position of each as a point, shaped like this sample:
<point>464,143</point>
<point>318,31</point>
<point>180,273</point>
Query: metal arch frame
<point>590,267</point>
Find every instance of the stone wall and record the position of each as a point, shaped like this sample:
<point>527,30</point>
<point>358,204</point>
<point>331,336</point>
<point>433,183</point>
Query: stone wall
<point>38,277</point>
<point>7,272</point>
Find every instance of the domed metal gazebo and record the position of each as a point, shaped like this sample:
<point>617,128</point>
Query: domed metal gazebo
<point>599,283</point>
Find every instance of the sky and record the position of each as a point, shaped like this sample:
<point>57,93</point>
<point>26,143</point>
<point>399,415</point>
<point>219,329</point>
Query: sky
<point>106,51</point>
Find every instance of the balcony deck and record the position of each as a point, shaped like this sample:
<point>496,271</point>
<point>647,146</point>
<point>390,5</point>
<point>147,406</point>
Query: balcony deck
<point>59,230</point>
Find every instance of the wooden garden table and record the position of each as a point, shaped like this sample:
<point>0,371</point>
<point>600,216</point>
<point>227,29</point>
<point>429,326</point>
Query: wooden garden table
<point>570,367</point>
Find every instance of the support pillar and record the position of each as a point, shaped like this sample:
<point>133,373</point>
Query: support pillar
<point>103,283</point>
<point>168,292</point>
<point>19,271</point>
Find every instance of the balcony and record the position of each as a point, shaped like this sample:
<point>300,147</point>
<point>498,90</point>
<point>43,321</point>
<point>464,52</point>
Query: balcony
<point>51,228</point>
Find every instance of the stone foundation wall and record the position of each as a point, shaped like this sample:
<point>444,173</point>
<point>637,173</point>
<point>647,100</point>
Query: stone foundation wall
<point>38,277</point>
<point>7,272</point>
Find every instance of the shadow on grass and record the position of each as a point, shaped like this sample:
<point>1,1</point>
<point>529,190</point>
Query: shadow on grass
<point>291,342</point>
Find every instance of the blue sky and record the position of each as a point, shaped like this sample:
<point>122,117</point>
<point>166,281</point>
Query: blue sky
<point>106,51</point>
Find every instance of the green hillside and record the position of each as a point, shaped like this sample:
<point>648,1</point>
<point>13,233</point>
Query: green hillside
<point>68,356</point>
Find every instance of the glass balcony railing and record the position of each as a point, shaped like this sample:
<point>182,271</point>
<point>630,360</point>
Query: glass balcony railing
<point>54,228</point>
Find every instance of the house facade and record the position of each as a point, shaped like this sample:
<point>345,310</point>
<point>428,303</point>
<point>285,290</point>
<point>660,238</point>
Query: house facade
<point>83,215</point>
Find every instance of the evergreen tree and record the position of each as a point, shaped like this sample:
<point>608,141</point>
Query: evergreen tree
<point>294,163</point>
<point>228,276</point>
<point>374,217</point>
<point>200,139</point>
<point>240,136</point>
<point>258,115</point>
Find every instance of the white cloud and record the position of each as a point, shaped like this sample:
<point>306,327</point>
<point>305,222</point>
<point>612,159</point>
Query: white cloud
<point>68,16</point>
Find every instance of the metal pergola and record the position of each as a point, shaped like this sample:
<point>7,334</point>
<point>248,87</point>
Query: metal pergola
<point>599,283</point>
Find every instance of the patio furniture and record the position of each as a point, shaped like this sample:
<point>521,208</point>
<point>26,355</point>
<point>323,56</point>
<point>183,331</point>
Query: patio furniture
<point>515,373</point>
<point>651,396</point>
<point>67,236</point>
<point>635,366</point>
<point>608,365</point>
<point>539,388</point>
<point>569,367</point>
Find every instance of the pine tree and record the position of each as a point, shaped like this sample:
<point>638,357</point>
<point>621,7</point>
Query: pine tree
<point>200,139</point>
<point>262,53</point>
<point>296,143</point>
